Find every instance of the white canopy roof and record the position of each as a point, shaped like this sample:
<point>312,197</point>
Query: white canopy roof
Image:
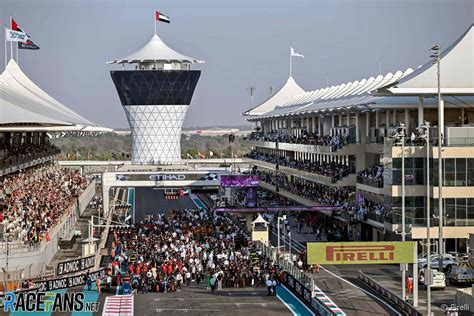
<point>289,89</point>
<point>22,103</point>
<point>341,97</point>
<point>457,72</point>
<point>153,51</point>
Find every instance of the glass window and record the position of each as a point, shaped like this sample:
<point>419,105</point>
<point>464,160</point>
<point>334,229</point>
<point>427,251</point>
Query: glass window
<point>460,171</point>
<point>470,177</point>
<point>449,165</point>
<point>419,177</point>
<point>420,163</point>
<point>397,177</point>
<point>449,172</point>
<point>419,201</point>
<point>450,212</point>
<point>470,212</point>
<point>409,163</point>
<point>397,163</point>
<point>461,212</point>
<point>470,163</point>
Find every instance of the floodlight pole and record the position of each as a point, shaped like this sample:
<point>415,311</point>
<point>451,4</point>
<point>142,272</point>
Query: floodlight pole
<point>428,223</point>
<point>404,266</point>
<point>440,160</point>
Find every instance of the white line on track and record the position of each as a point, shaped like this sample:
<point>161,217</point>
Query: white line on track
<point>366,292</point>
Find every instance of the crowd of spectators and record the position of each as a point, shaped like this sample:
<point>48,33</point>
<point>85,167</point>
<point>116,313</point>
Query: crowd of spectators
<point>33,202</point>
<point>187,246</point>
<point>343,197</point>
<point>11,155</point>
<point>330,169</point>
<point>306,138</point>
<point>372,176</point>
<point>320,193</point>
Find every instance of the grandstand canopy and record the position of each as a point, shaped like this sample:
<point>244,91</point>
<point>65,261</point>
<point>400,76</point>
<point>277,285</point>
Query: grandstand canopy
<point>155,51</point>
<point>350,95</point>
<point>457,72</point>
<point>289,89</point>
<point>25,106</point>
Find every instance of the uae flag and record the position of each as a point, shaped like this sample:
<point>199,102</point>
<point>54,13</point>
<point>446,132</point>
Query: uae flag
<point>161,17</point>
<point>23,45</point>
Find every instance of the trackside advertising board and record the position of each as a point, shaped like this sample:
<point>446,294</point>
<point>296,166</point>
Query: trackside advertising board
<point>361,252</point>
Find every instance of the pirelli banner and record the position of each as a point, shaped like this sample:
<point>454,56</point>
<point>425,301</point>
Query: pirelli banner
<point>361,252</point>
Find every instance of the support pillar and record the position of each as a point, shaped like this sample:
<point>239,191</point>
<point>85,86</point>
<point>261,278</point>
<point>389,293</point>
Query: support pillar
<point>377,119</point>
<point>421,114</point>
<point>357,127</point>
<point>394,118</point>
<point>407,120</point>
<point>348,121</point>
<point>387,119</point>
<point>333,121</point>
<point>313,123</point>
<point>367,124</point>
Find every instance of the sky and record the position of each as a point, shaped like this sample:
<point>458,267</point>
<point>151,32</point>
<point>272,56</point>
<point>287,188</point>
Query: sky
<point>244,43</point>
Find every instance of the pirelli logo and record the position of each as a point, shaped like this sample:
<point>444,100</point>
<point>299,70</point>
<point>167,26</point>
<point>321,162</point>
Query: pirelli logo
<point>360,252</point>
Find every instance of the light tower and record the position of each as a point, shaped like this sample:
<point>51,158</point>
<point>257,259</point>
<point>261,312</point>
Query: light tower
<point>155,96</point>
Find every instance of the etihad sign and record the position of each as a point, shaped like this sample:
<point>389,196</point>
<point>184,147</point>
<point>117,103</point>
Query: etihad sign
<point>167,177</point>
<point>361,253</point>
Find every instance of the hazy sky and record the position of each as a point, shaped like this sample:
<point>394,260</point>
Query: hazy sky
<point>244,43</point>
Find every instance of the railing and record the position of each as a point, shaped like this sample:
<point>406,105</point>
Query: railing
<point>380,218</point>
<point>389,295</point>
<point>12,162</point>
<point>376,183</point>
<point>300,284</point>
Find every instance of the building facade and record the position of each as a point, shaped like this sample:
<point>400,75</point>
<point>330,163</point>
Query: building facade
<point>354,136</point>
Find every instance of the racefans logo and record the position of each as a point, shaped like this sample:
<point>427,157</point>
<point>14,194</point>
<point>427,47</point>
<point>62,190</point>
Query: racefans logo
<point>360,253</point>
<point>48,302</point>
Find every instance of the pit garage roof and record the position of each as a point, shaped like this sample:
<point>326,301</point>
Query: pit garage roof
<point>25,106</point>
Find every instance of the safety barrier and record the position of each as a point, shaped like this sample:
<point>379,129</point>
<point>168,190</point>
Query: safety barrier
<point>320,303</point>
<point>300,284</point>
<point>389,295</point>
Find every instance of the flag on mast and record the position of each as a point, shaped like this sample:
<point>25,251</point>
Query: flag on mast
<point>161,17</point>
<point>15,36</point>
<point>27,44</point>
<point>294,53</point>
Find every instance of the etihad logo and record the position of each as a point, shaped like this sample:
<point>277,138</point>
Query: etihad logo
<point>360,253</point>
<point>167,177</point>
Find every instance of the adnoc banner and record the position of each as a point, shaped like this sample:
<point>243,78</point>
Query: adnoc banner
<point>361,252</point>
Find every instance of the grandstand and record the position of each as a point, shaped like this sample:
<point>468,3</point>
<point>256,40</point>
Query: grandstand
<point>40,201</point>
<point>342,145</point>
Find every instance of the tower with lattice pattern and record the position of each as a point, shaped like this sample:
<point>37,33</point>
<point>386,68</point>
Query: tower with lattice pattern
<point>155,97</point>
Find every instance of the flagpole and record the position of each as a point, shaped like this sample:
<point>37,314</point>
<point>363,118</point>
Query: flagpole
<point>11,44</point>
<point>154,18</point>
<point>5,29</point>
<point>290,61</point>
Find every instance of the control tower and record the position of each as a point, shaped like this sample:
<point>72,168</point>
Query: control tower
<point>155,95</point>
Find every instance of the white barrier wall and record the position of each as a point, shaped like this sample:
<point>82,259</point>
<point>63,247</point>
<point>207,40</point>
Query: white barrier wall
<point>34,260</point>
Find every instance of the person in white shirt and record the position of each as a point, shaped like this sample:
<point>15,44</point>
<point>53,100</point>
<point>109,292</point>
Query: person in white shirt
<point>269,285</point>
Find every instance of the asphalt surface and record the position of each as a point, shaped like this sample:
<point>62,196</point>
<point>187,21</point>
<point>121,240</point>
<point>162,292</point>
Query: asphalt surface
<point>152,201</point>
<point>341,284</point>
<point>197,300</point>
